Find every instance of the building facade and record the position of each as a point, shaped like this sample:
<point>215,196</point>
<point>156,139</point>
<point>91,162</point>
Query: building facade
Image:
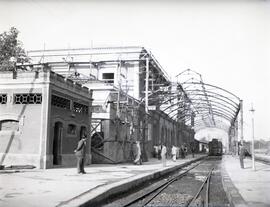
<point>128,84</point>
<point>42,116</point>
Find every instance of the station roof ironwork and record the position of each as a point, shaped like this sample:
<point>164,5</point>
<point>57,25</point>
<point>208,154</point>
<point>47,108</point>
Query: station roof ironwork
<point>189,100</point>
<point>199,104</point>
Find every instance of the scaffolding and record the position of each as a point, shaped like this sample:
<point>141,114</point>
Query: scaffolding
<point>188,101</point>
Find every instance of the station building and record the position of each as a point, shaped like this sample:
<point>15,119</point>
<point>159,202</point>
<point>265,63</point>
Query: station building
<point>42,116</point>
<point>124,104</point>
<point>120,77</point>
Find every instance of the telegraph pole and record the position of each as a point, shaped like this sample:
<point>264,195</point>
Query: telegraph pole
<point>252,110</point>
<point>145,136</point>
<point>146,86</point>
<point>146,103</point>
<point>119,90</point>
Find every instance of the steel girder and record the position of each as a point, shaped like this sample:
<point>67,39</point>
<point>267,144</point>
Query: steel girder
<point>210,105</point>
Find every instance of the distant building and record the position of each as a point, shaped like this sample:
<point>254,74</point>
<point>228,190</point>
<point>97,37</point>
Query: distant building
<point>42,116</point>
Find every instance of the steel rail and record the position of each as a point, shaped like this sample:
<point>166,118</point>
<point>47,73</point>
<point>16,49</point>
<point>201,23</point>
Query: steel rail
<point>200,189</point>
<point>207,192</point>
<point>159,188</point>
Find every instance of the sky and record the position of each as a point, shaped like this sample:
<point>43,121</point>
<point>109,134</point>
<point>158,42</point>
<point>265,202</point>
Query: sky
<point>226,41</point>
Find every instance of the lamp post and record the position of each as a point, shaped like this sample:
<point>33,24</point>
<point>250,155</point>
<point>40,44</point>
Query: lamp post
<point>252,110</point>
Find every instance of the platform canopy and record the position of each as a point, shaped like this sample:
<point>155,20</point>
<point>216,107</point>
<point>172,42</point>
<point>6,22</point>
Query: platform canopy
<point>199,104</point>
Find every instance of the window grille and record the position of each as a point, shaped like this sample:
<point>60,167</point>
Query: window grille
<point>60,102</point>
<point>3,98</point>
<point>80,108</point>
<point>28,98</point>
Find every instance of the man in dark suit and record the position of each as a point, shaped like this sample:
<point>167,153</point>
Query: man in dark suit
<point>242,155</point>
<point>80,154</point>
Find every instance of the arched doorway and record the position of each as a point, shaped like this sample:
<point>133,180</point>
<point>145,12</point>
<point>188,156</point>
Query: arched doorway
<point>58,131</point>
<point>162,135</point>
<point>83,131</point>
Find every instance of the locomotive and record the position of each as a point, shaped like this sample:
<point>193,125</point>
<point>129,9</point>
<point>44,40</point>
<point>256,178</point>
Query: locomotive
<point>215,148</point>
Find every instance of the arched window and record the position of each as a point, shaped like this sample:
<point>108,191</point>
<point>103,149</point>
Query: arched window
<point>71,129</point>
<point>9,125</point>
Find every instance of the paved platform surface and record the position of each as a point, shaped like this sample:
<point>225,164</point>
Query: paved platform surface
<point>253,186</point>
<point>64,187</point>
<point>263,157</point>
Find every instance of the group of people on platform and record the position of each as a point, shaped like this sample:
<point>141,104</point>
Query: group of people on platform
<point>175,151</point>
<point>160,153</point>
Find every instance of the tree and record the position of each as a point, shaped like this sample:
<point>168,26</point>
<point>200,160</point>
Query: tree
<point>11,51</point>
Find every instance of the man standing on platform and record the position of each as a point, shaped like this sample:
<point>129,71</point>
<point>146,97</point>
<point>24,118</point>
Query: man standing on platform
<point>138,159</point>
<point>80,154</point>
<point>242,152</point>
<point>174,153</point>
<point>192,148</point>
<point>182,151</point>
<point>163,155</point>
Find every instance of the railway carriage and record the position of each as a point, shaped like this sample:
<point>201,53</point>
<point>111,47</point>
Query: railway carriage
<point>215,148</point>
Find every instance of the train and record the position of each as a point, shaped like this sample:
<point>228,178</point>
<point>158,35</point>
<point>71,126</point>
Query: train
<point>215,148</point>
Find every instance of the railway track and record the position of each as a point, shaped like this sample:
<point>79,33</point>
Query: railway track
<point>157,190</point>
<point>151,194</point>
<point>207,184</point>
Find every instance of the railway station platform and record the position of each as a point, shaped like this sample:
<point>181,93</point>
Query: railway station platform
<point>64,187</point>
<point>246,187</point>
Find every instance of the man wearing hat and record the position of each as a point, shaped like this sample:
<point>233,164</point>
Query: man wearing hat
<point>80,154</point>
<point>242,155</point>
